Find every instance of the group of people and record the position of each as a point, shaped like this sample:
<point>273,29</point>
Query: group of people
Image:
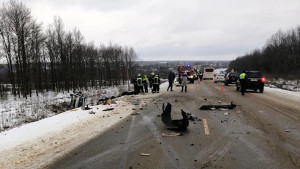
<point>183,80</point>
<point>141,83</point>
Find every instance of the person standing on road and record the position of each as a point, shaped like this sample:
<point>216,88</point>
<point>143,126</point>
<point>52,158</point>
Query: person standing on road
<point>145,82</point>
<point>184,82</point>
<point>243,82</point>
<point>156,82</point>
<point>135,84</point>
<point>200,75</point>
<point>139,80</point>
<point>151,81</point>
<point>171,80</point>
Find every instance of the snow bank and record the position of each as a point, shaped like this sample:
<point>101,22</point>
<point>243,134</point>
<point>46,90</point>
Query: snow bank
<point>37,144</point>
<point>291,85</point>
<point>17,111</point>
<point>284,93</point>
<point>31,131</point>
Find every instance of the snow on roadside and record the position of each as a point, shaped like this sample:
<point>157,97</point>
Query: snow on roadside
<point>17,111</point>
<point>31,131</point>
<point>37,144</point>
<point>291,85</point>
<point>283,93</point>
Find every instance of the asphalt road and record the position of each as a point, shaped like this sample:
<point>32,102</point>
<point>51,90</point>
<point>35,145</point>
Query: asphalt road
<point>263,131</point>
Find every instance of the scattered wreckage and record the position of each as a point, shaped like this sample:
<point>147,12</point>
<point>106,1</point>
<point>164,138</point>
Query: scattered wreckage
<point>174,124</point>
<point>181,124</point>
<point>213,107</point>
<point>78,100</point>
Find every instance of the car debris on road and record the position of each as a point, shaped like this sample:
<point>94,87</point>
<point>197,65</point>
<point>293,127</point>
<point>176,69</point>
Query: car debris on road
<point>193,118</point>
<point>136,113</point>
<point>174,124</point>
<point>213,107</point>
<point>145,154</point>
<point>92,112</point>
<point>172,134</point>
<point>108,109</point>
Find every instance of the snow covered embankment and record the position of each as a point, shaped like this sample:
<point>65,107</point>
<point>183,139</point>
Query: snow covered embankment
<point>37,144</point>
<point>17,111</point>
<point>291,85</point>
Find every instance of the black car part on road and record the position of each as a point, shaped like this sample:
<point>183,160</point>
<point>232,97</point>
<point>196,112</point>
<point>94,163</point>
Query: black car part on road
<point>174,124</point>
<point>212,107</point>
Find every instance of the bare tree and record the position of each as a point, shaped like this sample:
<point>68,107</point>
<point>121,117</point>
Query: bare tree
<point>55,59</point>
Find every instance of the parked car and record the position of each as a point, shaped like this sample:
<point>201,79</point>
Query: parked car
<point>231,78</point>
<point>219,78</point>
<point>255,81</point>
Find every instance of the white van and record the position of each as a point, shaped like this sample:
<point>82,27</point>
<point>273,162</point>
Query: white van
<point>208,73</point>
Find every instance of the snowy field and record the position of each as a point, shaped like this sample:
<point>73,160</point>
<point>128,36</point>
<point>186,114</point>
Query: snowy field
<point>37,144</point>
<point>15,112</point>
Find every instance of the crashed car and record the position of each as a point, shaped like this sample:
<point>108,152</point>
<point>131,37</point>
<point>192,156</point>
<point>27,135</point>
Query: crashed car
<point>77,100</point>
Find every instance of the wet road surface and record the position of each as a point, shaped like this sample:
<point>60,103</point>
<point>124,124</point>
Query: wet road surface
<point>263,131</point>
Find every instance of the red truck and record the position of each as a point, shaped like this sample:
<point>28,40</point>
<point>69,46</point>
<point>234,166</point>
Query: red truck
<point>189,70</point>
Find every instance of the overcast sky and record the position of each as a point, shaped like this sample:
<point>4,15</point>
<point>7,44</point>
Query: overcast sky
<point>174,29</point>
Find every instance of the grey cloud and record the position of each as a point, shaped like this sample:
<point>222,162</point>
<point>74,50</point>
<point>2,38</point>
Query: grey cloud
<point>174,28</point>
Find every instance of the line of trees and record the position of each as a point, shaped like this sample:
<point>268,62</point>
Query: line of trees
<point>280,57</point>
<point>38,60</point>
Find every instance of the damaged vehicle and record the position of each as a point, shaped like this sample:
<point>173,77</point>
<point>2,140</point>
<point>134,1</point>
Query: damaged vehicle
<point>77,100</point>
<point>181,124</point>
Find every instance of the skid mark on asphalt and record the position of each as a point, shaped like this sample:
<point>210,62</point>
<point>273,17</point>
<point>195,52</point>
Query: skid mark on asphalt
<point>206,129</point>
<point>215,150</point>
<point>260,154</point>
<point>168,151</point>
<point>129,135</point>
<point>114,151</point>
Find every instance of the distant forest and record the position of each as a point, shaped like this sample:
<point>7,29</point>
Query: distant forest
<point>279,58</point>
<point>38,60</point>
